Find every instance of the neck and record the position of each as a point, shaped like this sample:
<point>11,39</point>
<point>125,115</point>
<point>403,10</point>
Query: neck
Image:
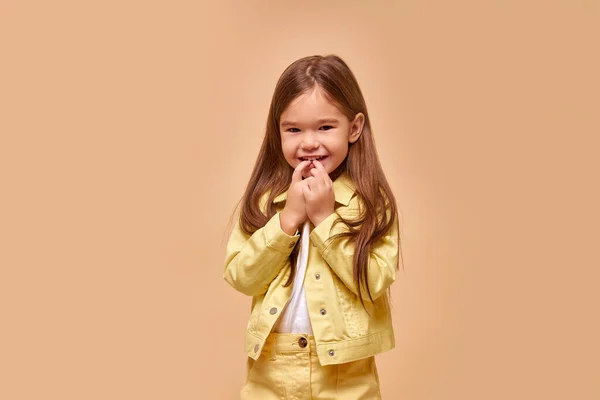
<point>337,172</point>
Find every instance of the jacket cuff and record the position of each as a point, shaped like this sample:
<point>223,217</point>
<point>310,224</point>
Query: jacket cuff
<point>277,239</point>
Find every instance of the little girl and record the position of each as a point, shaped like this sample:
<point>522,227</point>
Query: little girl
<point>317,243</point>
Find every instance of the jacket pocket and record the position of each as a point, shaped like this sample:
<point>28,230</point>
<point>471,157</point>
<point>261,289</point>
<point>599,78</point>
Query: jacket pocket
<point>347,301</point>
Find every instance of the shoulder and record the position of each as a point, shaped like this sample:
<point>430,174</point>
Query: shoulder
<point>353,209</point>
<point>263,202</point>
<point>357,206</point>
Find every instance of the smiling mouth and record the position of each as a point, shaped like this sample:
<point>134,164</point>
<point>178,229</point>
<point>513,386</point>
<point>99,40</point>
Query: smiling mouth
<point>312,158</point>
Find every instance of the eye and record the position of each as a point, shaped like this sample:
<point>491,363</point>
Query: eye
<point>293,130</point>
<point>327,127</point>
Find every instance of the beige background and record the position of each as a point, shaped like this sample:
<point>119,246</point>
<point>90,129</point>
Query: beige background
<point>129,130</point>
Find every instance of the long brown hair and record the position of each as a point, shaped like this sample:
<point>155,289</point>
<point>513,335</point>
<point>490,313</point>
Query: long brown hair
<point>272,174</point>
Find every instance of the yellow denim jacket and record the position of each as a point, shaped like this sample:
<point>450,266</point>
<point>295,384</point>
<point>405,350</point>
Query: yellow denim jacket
<point>259,265</point>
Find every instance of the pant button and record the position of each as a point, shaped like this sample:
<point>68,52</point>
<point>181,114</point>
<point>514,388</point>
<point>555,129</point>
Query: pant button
<point>302,342</point>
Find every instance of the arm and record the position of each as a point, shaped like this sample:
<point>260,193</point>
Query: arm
<point>252,262</point>
<point>339,255</point>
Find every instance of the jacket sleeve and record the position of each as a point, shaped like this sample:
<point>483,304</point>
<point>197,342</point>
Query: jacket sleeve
<point>252,262</point>
<point>339,255</point>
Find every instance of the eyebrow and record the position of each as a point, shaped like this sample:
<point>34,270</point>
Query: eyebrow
<point>320,122</point>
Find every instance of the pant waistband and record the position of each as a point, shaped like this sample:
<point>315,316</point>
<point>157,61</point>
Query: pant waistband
<point>290,342</point>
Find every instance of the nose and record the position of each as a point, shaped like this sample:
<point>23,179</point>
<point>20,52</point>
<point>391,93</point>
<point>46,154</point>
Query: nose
<point>309,142</point>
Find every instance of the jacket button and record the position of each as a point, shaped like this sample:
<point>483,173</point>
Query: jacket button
<point>331,353</point>
<point>302,342</point>
<point>317,276</point>
<point>256,347</point>
<point>273,311</point>
<point>323,311</point>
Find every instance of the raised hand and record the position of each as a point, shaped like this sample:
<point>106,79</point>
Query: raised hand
<point>318,194</point>
<point>294,212</point>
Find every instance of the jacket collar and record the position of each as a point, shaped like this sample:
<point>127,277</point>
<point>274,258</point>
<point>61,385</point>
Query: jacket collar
<point>343,190</point>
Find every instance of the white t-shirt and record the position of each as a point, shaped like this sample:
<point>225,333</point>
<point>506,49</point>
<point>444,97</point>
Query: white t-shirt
<point>295,318</point>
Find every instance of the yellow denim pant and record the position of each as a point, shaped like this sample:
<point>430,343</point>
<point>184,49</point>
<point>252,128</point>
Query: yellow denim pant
<point>288,368</point>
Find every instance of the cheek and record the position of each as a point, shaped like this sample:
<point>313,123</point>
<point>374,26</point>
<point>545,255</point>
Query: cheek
<point>341,150</point>
<point>288,150</point>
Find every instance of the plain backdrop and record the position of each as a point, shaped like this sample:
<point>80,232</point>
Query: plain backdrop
<point>128,133</point>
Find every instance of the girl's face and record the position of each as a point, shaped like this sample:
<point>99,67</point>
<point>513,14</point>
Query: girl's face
<point>312,127</point>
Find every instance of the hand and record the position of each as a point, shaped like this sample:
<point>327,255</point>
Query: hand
<point>294,212</point>
<point>318,194</point>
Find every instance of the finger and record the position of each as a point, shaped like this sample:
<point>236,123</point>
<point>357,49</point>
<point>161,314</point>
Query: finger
<point>316,173</point>
<point>310,182</point>
<point>320,173</point>
<point>317,177</point>
<point>297,175</point>
<point>306,189</point>
<point>319,167</point>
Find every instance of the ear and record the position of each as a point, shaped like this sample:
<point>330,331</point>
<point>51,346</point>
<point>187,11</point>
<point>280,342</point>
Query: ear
<point>356,127</point>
